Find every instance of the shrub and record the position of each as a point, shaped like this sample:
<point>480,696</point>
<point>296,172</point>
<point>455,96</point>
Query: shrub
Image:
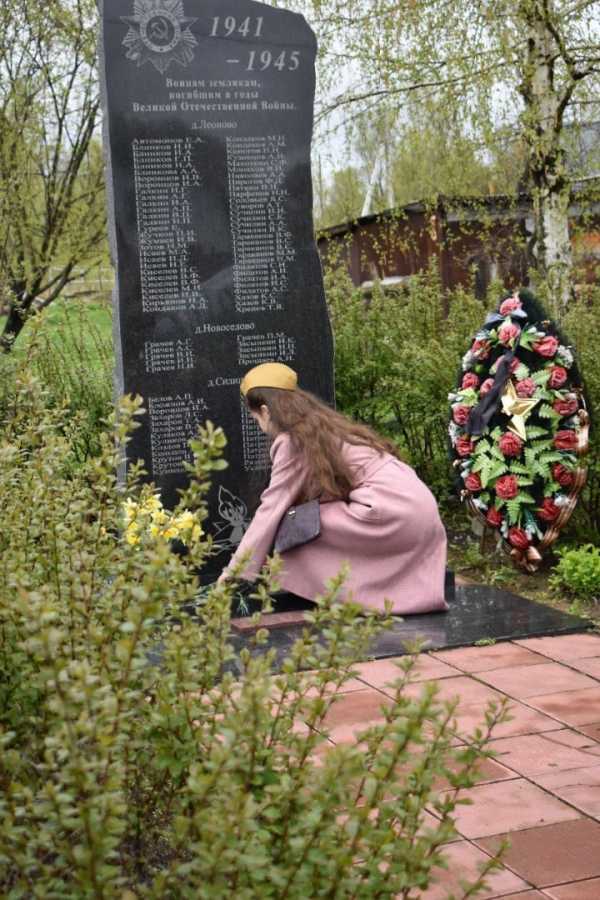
<point>141,757</point>
<point>396,359</point>
<point>578,572</point>
<point>582,326</point>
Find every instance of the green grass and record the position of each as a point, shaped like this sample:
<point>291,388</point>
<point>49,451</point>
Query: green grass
<point>69,348</point>
<point>98,313</point>
<point>81,329</point>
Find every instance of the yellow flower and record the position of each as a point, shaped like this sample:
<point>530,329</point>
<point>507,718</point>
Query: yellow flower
<point>132,535</point>
<point>159,517</point>
<point>152,504</point>
<point>187,523</point>
<point>185,520</point>
<point>130,510</point>
<point>149,517</point>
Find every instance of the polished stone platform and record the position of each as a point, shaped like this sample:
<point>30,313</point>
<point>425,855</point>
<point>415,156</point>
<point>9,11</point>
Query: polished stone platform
<point>477,613</point>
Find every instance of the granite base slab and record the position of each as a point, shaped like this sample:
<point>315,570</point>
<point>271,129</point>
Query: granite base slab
<point>477,613</point>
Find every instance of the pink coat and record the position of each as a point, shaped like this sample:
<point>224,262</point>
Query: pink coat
<point>389,532</point>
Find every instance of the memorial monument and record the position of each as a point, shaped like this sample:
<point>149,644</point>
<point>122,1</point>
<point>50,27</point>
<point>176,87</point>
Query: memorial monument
<point>208,111</point>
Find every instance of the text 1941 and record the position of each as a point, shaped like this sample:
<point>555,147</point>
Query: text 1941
<point>228,26</point>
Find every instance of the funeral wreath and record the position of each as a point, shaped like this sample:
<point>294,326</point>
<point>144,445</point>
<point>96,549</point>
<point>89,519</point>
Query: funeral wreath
<point>519,428</point>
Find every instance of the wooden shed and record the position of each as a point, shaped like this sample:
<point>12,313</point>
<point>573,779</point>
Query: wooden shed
<point>483,237</point>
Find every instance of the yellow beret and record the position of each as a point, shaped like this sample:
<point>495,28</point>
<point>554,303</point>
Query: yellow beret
<point>269,375</point>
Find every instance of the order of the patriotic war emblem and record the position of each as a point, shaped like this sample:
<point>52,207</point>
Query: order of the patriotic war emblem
<point>159,33</point>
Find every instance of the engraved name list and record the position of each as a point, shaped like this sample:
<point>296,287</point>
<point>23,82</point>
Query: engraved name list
<point>208,108</point>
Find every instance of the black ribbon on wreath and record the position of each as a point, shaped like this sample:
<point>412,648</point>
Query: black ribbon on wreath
<point>480,415</point>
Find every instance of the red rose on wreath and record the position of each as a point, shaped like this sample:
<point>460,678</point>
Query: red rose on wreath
<point>526,387</point>
<point>510,444</point>
<point>565,407</point>
<point>518,538</point>
<point>548,511</point>
<point>561,474</point>
<point>507,487</point>
<point>546,346</point>
<point>460,413</point>
<point>481,348</point>
<point>565,440</point>
<point>494,517</point>
<point>509,305</point>
<point>508,333</point>
<point>470,380</point>
<point>473,482</point>
<point>486,386</point>
<point>463,446</point>
<point>558,376</point>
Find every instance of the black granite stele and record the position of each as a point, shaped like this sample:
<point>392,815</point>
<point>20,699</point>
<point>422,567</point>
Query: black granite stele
<point>208,112</point>
<point>478,613</point>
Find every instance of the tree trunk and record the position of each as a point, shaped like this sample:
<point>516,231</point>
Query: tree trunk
<point>553,244</point>
<point>13,326</point>
<point>550,188</point>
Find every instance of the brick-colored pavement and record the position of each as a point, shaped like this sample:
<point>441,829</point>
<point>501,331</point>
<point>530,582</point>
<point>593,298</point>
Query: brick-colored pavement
<point>543,789</point>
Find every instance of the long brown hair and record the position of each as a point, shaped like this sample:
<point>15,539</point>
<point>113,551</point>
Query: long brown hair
<point>318,433</point>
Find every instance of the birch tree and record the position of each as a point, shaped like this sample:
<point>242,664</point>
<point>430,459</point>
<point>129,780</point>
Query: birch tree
<point>559,56</point>
<point>52,219</point>
<point>501,65</point>
<point>342,199</point>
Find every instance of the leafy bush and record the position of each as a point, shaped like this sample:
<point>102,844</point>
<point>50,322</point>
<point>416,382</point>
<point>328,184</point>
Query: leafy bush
<point>582,325</point>
<point>396,359</point>
<point>139,757</point>
<point>578,572</point>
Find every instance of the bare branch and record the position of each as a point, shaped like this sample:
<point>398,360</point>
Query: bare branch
<point>345,100</point>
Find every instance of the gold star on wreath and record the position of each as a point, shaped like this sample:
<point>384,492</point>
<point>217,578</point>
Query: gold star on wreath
<point>518,409</point>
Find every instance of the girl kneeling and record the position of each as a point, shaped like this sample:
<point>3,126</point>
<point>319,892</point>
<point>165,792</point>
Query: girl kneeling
<point>376,514</point>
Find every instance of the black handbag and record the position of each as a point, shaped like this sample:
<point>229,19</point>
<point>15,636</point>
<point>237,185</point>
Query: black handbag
<point>300,525</point>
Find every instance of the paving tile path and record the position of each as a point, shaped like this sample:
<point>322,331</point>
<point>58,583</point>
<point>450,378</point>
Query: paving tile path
<point>542,790</point>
